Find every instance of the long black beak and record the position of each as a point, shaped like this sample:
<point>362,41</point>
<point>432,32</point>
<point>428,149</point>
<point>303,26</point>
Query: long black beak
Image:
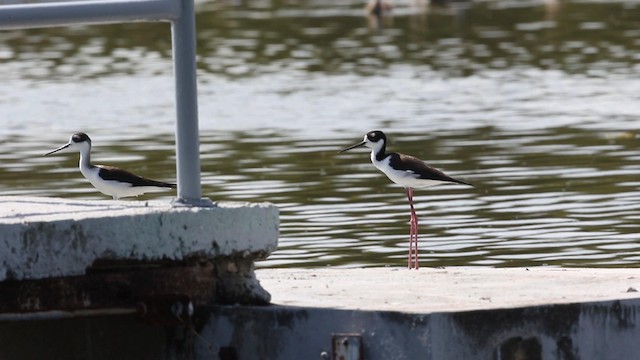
<point>352,147</point>
<point>58,149</point>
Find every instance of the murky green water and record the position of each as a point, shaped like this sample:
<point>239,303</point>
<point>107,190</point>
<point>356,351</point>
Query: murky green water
<point>534,102</point>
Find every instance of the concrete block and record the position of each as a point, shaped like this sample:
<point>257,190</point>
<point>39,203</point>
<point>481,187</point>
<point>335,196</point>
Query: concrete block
<point>51,237</point>
<point>585,331</point>
<point>393,314</point>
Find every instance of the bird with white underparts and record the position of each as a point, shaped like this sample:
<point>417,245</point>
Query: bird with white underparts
<point>408,171</point>
<point>109,180</point>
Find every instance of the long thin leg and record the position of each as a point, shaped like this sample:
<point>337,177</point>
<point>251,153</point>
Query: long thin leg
<point>409,197</point>
<point>415,237</point>
<point>413,233</point>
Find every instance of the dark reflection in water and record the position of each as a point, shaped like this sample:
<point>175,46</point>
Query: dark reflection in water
<point>535,102</point>
<point>257,37</point>
<point>457,40</point>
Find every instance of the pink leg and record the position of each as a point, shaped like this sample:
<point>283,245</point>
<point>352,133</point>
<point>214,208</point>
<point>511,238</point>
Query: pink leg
<point>410,198</point>
<point>415,240</point>
<point>413,233</point>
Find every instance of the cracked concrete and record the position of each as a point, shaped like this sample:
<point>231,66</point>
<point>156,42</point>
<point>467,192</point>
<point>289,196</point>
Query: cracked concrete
<point>51,237</point>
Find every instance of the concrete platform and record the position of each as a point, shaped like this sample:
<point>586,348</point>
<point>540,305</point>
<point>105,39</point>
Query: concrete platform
<point>375,314</point>
<point>79,255</point>
<point>451,289</point>
<point>51,237</point>
<point>433,314</point>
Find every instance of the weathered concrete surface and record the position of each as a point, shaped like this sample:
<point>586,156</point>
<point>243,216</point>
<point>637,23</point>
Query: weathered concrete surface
<point>432,314</point>
<point>446,290</point>
<point>606,330</point>
<point>49,237</point>
<point>130,285</point>
<point>581,331</point>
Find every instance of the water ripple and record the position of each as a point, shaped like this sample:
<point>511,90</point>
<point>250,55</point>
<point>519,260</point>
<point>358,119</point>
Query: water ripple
<point>536,106</point>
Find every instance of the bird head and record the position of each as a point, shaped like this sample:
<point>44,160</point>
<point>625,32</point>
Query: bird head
<point>373,140</point>
<point>77,142</point>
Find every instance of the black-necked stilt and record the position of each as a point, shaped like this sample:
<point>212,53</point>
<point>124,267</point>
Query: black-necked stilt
<point>407,171</point>
<point>109,180</point>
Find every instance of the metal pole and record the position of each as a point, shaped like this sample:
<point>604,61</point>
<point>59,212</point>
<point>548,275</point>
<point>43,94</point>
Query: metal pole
<point>85,12</point>
<point>183,31</point>
<point>181,13</point>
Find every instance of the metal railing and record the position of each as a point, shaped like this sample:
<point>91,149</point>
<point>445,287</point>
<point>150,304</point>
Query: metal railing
<point>181,15</point>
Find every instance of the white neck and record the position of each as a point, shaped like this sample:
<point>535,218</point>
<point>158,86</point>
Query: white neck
<point>85,158</point>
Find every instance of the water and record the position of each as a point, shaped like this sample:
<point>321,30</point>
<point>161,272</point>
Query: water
<point>534,102</point>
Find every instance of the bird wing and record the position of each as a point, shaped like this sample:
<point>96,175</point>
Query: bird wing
<point>114,173</point>
<point>420,169</point>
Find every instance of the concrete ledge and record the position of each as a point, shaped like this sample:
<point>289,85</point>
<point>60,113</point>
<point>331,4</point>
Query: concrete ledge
<point>49,237</point>
<point>446,290</point>
<point>78,256</point>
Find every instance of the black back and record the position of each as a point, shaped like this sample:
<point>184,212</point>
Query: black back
<point>114,173</point>
<point>422,170</point>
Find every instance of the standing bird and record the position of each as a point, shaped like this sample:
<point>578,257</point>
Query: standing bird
<point>109,180</point>
<point>407,171</point>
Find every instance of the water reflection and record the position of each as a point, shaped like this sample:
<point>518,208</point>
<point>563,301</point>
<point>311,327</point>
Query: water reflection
<point>534,102</point>
<point>259,37</point>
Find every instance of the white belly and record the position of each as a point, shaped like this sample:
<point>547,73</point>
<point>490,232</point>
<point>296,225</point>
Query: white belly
<point>404,178</point>
<point>114,188</point>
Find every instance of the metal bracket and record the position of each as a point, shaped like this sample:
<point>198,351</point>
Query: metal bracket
<point>347,346</point>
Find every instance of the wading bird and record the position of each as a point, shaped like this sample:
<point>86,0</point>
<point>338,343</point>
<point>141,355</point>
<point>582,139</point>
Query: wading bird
<point>407,171</point>
<point>109,180</point>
